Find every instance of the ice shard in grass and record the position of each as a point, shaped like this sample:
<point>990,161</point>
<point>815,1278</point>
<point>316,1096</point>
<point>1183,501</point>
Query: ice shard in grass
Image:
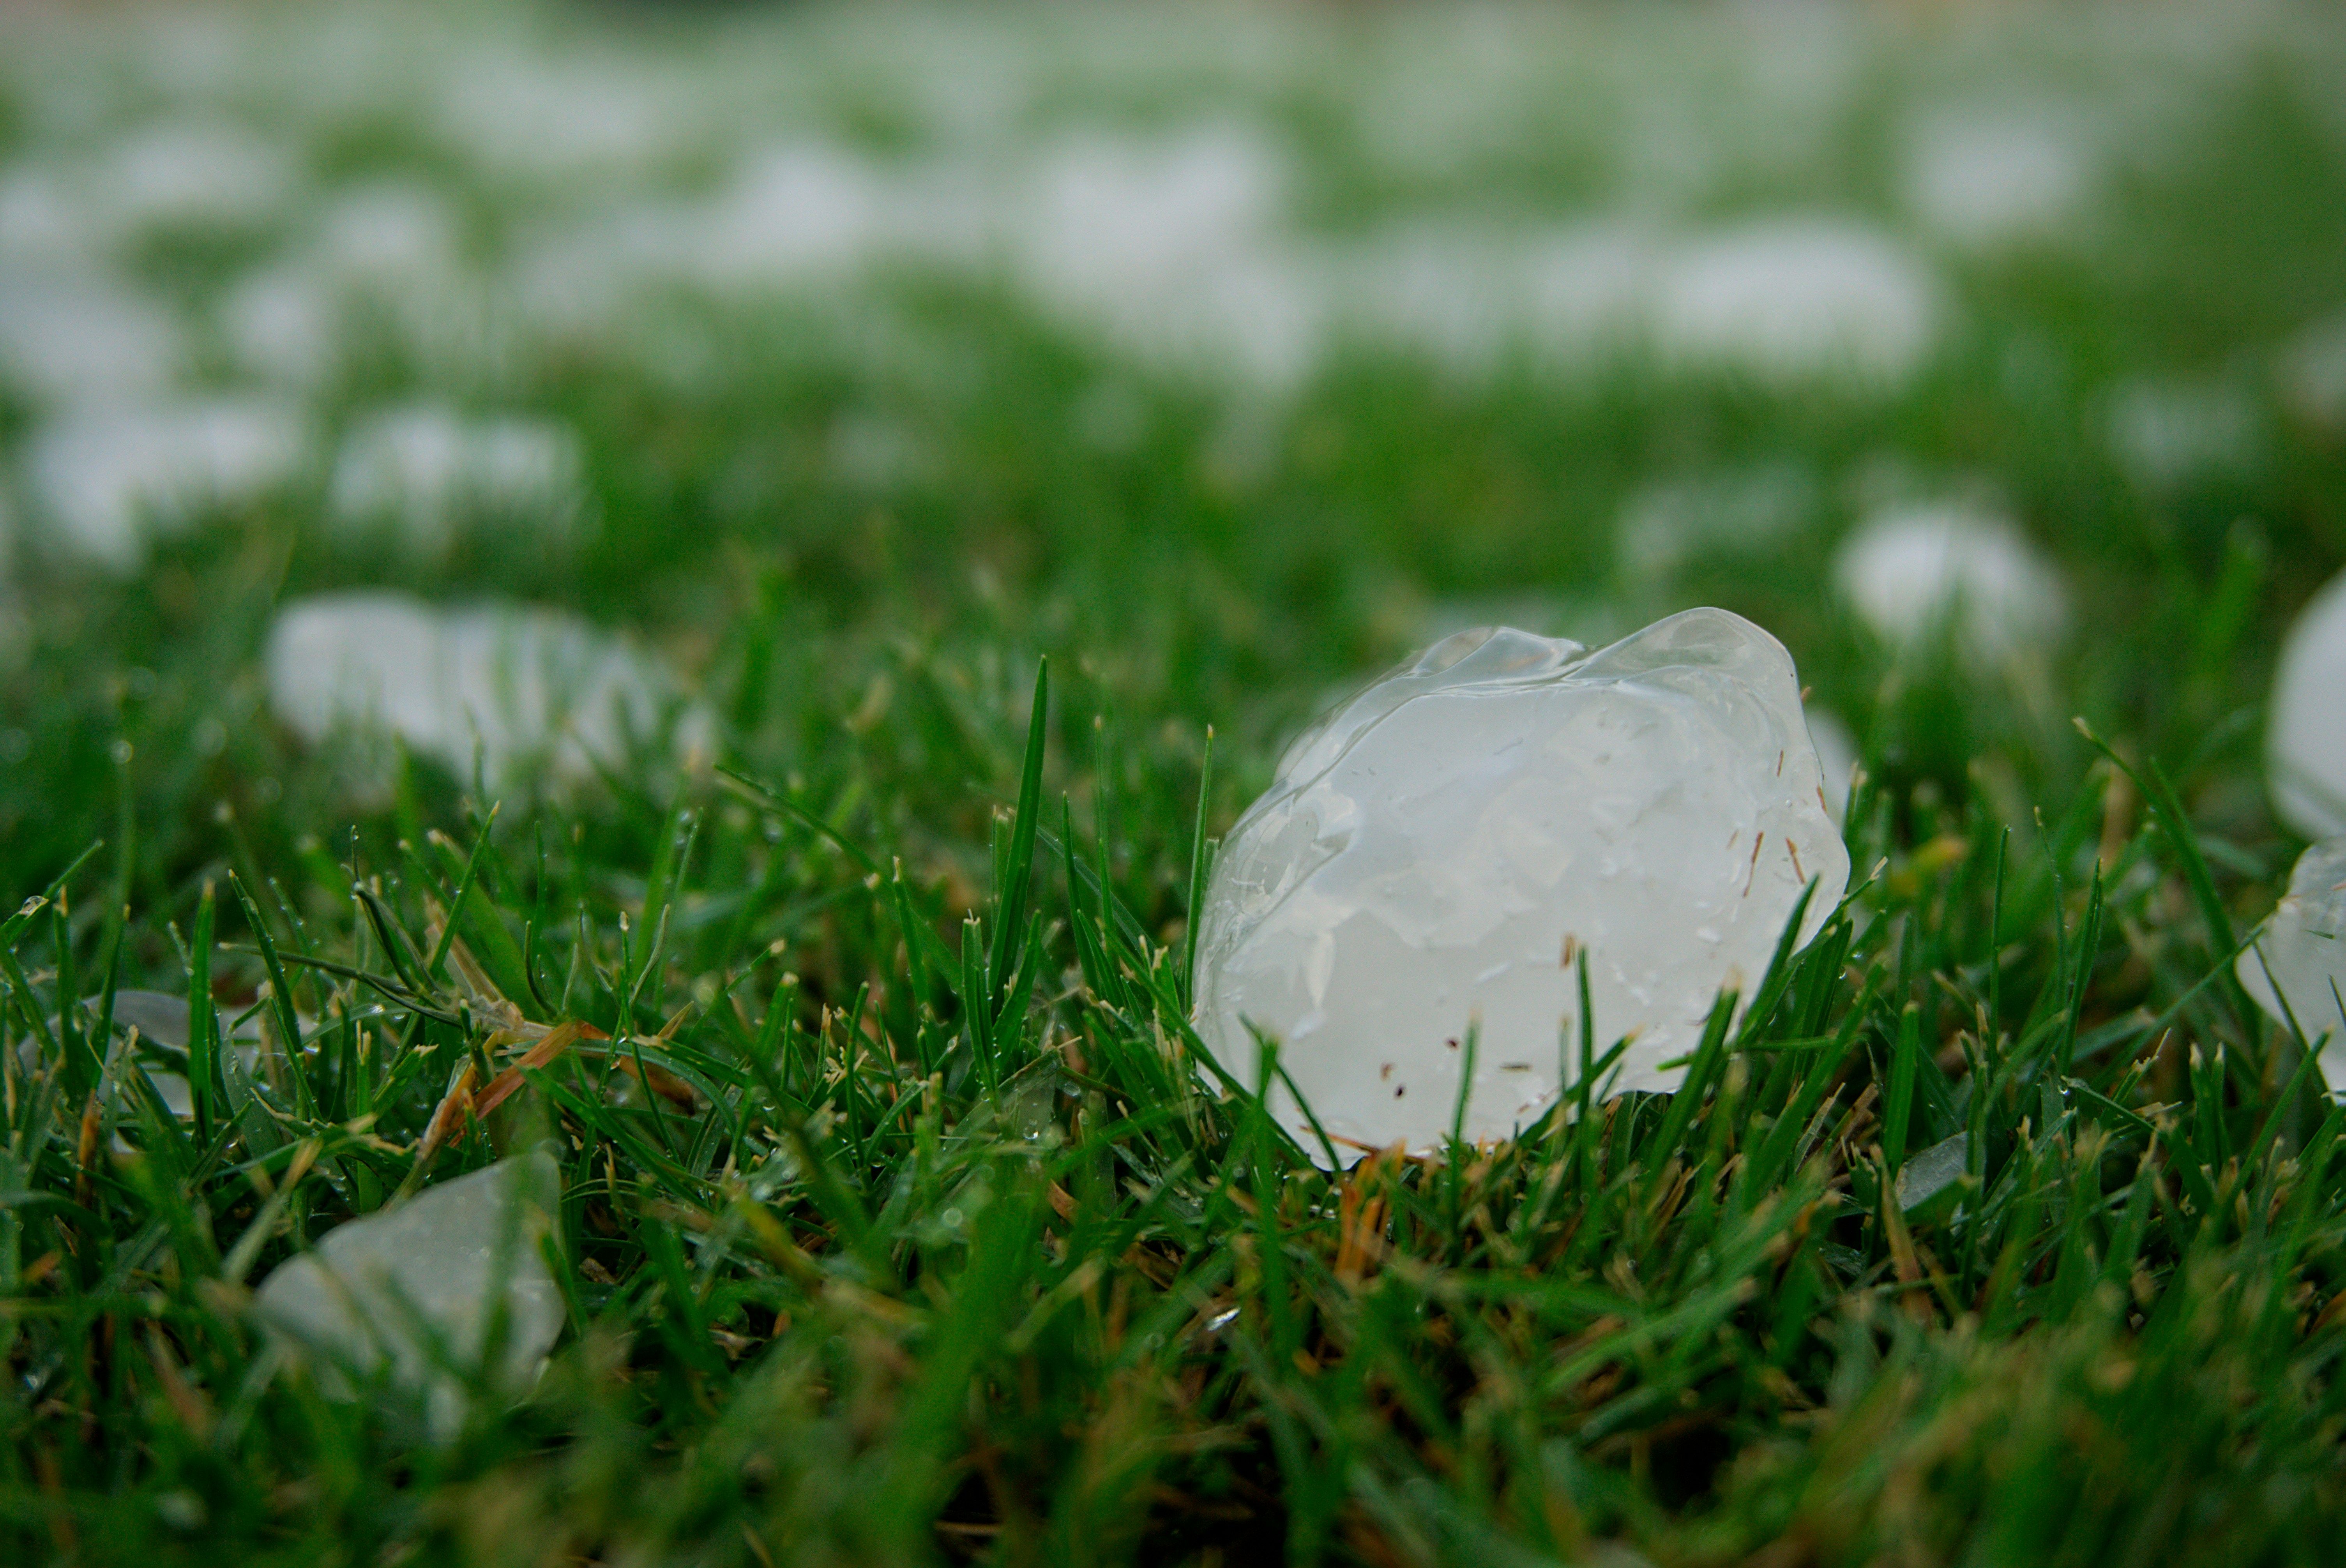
<point>2300,956</point>
<point>2305,734</point>
<point>414,1290</point>
<point>1431,860</point>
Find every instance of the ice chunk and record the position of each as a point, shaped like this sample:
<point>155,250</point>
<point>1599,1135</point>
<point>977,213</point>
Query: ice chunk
<point>424,470</point>
<point>1928,1172</point>
<point>1993,176</point>
<point>86,340</point>
<point>2311,367</point>
<point>2305,734</point>
<point>107,480</point>
<point>2302,951</point>
<point>1912,571</point>
<point>524,686</point>
<point>1790,301</point>
<point>1429,860</point>
<point>416,1287</point>
<point>2165,433</point>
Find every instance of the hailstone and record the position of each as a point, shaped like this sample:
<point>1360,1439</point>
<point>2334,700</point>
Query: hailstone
<point>416,1287</point>
<point>2305,736</point>
<point>1431,860</point>
<point>2303,952</point>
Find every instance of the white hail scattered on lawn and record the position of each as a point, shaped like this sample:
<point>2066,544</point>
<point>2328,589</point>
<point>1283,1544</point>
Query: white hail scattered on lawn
<point>1915,573</point>
<point>2299,958</point>
<point>425,471</point>
<point>1430,862</point>
<point>410,1291</point>
<point>531,692</point>
<point>106,480</point>
<point>2305,730</point>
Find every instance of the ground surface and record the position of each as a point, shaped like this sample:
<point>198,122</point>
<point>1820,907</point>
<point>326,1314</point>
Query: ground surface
<point>933,1246</point>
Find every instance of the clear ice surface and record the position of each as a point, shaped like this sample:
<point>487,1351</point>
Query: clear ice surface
<point>416,1285</point>
<point>2303,950</point>
<point>1434,852</point>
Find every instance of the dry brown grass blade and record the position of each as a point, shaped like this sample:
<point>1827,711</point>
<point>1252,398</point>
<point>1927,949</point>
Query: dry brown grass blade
<point>553,1043</point>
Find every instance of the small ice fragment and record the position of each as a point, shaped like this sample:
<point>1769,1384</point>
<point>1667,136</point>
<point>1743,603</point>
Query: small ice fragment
<point>2303,950</point>
<point>1992,177</point>
<point>526,687</point>
<point>1927,1171</point>
<point>86,340</point>
<point>1913,571</point>
<point>197,174</point>
<point>1431,858</point>
<point>107,481</point>
<point>1792,300</point>
<point>425,471</point>
<point>1737,514</point>
<point>417,1287</point>
<point>2312,369</point>
<point>2305,733</point>
<point>2169,433</point>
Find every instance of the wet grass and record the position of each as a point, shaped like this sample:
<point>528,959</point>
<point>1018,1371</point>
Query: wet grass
<point>930,1240</point>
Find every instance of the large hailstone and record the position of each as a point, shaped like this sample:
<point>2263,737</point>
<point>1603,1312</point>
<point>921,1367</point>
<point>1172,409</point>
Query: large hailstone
<point>2303,951</point>
<point>2305,735</point>
<point>415,1288</point>
<point>1430,860</point>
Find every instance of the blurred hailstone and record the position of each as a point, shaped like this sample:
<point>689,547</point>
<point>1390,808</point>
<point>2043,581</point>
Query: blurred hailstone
<point>109,480</point>
<point>2169,433</point>
<point>2299,957</point>
<point>424,472</point>
<point>1173,248</point>
<point>47,221</point>
<point>410,1293</point>
<point>1738,512</point>
<point>525,689</point>
<point>1913,572</point>
<point>86,339</point>
<point>1988,178</point>
<point>2312,372</point>
<point>161,1019</point>
<point>210,175</point>
<point>1797,300</point>
<point>2305,732</point>
<point>1429,861</point>
<point>390,247</point>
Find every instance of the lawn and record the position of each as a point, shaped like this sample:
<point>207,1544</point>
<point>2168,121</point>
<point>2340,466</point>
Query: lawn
<point>919,467</point>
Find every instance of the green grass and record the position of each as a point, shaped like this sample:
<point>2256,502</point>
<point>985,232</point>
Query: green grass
<point>955,1254</point>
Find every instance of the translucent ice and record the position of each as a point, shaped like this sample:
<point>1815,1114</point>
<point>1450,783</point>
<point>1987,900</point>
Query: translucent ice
<point>2303,950</point>
<point>1435,854</point>
<point>416,1286</point>
<point>2305,734</point>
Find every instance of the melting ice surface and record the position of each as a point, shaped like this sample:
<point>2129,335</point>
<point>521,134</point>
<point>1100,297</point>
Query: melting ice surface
<point>416,1286</point>
<point>2303,951</point>
<point>1435,852</point>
